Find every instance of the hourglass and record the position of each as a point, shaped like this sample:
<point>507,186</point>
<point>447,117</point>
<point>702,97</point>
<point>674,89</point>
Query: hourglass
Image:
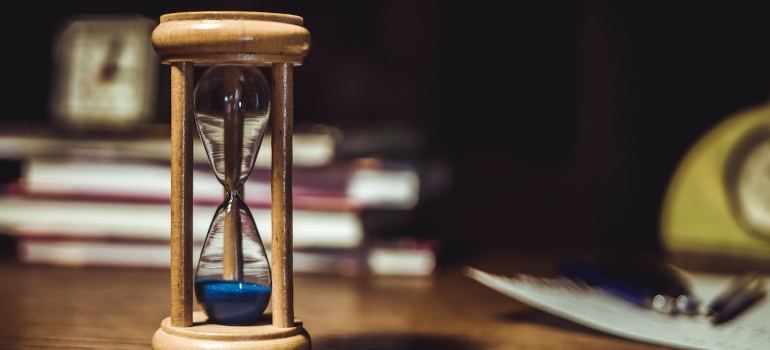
<point>232,106</point>
<point>232,281</point>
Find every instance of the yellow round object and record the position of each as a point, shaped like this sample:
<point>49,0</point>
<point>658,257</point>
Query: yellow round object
<point>718,201</point>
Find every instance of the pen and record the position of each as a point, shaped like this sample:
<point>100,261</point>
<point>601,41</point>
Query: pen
<point>739,295</point>
<point>665,293</point>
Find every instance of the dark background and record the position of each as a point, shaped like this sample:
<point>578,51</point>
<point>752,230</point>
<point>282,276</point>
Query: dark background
<point>564,120</point>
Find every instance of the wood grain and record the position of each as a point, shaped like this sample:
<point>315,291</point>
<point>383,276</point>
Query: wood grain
<point>281,189</point>
<point>231,36</point>
<point>121,308</point>
<point>182,128</point>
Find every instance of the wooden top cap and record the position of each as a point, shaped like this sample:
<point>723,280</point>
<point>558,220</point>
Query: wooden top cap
<point>206,38</point>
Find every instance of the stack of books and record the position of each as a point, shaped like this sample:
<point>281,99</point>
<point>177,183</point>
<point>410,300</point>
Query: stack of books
<point>105,201</point>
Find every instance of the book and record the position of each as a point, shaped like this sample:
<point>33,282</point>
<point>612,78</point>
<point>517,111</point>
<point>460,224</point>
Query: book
<point>311,145</point>
<point>402,257</point>
<point>25,216</point>
<point>339,185</point>
<point>385,139</point>
<point>99,198</point>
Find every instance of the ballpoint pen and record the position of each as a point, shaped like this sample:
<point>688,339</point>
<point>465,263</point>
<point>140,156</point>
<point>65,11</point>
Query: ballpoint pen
<point>738,296</point>
<point>664,291</point>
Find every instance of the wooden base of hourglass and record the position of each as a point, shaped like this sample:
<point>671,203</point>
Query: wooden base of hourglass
<point>207,336</point>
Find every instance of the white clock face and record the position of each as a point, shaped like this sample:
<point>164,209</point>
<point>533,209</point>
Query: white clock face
<point>753,189</point>
<point>747,180</point>
<point>108,72</point>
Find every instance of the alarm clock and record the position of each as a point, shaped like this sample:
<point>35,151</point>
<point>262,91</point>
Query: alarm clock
<point>717,207</point>
<point>106,73</point>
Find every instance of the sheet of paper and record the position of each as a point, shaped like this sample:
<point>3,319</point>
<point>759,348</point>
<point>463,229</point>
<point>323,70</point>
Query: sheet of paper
<point>596,309</point>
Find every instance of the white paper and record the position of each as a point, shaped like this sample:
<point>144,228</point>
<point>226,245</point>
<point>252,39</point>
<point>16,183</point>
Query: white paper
<point>596,309</point>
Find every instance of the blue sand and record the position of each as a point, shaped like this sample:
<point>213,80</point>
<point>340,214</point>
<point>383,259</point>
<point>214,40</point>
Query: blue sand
<point>231,302</point>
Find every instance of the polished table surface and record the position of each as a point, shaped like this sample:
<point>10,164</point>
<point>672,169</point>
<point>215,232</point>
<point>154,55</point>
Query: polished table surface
<point>46,307</point>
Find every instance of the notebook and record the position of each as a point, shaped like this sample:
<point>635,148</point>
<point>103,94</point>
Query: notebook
<point>595,308</point>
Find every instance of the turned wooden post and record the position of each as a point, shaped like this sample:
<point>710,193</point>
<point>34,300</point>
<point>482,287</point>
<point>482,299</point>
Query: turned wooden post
<point>282,115</point>
<point>182,129</point>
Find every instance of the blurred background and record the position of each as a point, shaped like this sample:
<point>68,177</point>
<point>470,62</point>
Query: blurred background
<point>557,123</point>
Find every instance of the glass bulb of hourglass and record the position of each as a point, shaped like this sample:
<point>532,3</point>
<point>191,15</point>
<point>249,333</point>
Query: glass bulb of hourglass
<point>233,278</point>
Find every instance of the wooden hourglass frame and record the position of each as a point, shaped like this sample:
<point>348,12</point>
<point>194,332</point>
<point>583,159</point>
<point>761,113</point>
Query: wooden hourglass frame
<point>187,39</point>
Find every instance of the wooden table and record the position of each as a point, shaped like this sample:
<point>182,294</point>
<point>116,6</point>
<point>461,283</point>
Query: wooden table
<point>45,307</point>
